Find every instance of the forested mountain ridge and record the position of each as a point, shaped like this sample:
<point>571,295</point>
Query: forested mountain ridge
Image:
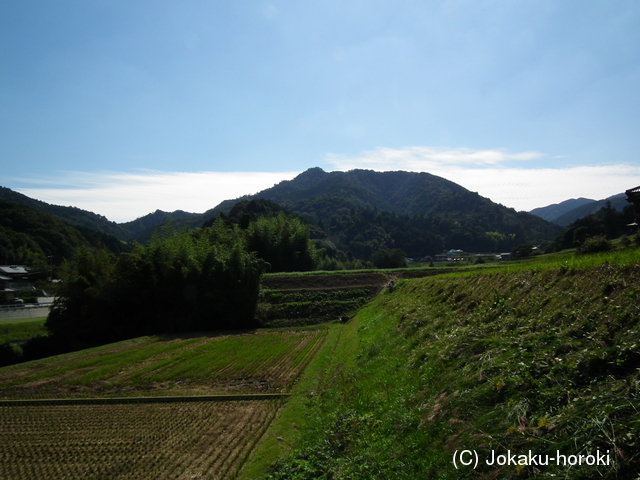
<point>29,235</point>
<point>142,228</point>
<point>72,215</point>
<point>618,202</point>
<point>403,193</point>
<point>362,211</point>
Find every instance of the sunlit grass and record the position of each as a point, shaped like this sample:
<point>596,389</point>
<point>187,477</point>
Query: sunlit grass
<point>21,329</point>
<point>269,361</point>
<point>566,260</point>
<point>539,355</point>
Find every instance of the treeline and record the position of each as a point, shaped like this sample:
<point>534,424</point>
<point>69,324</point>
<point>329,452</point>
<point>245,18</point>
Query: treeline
<point>488,229</point>
<point>29,236</point>
<point>276,235</point>
<point>188,281</point>
<point>607,223</point>
<point>201,280</point>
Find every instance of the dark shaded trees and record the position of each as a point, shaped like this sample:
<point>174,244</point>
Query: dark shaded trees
<point>389,258</point>
<point>29,236</point>
<point>606,222</point>
<point>275,234</point>
<point>283,242</point>
<point>203,280</point>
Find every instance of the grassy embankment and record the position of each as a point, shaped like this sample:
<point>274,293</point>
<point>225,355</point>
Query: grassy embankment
<point>21,329</point>
<point>539,358</point>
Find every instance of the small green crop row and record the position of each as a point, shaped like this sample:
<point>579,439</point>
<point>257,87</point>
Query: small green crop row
<point>314,312</point>
<point>275,297</point>
<point>261,362</point>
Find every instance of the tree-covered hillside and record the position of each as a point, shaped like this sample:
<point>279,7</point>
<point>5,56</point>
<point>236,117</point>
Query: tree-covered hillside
<point>29,235</point>
<point>71,215</point>
<point>362,211</point>
<point>141,229</point>
<point>618,202</point>
<point>551,212</point>
<point>353,214</point>
<point>607,223</point>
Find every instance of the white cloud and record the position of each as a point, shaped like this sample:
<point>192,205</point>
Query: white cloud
<point>486,172</point>
<point>423,159</point>
<point>122,197</point>
<point>528,188</point>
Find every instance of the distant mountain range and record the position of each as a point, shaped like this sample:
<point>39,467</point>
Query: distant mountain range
<point>567,212</point>
<point>142,228</point>
<point>362,210</point>
<point>552,212</point>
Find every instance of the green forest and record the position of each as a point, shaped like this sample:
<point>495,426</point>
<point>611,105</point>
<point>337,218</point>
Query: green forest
<point>30,236</point>
<point>181,281</point>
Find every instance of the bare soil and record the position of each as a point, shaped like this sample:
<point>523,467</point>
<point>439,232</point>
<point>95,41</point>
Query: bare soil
<point>325,282</point>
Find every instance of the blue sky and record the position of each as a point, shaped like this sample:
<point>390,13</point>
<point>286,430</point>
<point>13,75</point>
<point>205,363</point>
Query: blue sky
<point>123,107</point>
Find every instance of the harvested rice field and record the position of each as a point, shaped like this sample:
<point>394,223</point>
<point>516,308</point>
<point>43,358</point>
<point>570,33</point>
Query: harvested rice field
<point>203,440</point>
<point>149,408</point>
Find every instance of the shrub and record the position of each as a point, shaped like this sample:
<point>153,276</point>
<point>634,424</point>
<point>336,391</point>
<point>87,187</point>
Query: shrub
<point>389,258</point>
<point>8,356</point>
<point>594,245</point>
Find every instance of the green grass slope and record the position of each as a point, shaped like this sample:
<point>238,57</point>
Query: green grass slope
<point>21,329</point>
<point>264,361</point>
<point>517,369</point>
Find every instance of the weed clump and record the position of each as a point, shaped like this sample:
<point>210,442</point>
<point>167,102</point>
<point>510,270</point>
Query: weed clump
<point>594,245</point>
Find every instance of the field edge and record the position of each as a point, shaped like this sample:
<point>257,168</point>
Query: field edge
<point>282,435</point>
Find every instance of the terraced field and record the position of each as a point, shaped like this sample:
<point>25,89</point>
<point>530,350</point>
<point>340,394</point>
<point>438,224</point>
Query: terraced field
<point>73,416</point>
<point>309,299</point>
<point>261,362</point>
<point>135,441</point>
<point>289,300</point>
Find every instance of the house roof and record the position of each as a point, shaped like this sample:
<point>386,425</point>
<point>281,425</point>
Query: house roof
<point>13,269</point>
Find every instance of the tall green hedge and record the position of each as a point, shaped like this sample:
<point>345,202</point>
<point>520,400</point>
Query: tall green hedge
<point>187,281</point>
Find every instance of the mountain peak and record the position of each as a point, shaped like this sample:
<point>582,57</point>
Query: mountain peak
<point>312,175</point>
